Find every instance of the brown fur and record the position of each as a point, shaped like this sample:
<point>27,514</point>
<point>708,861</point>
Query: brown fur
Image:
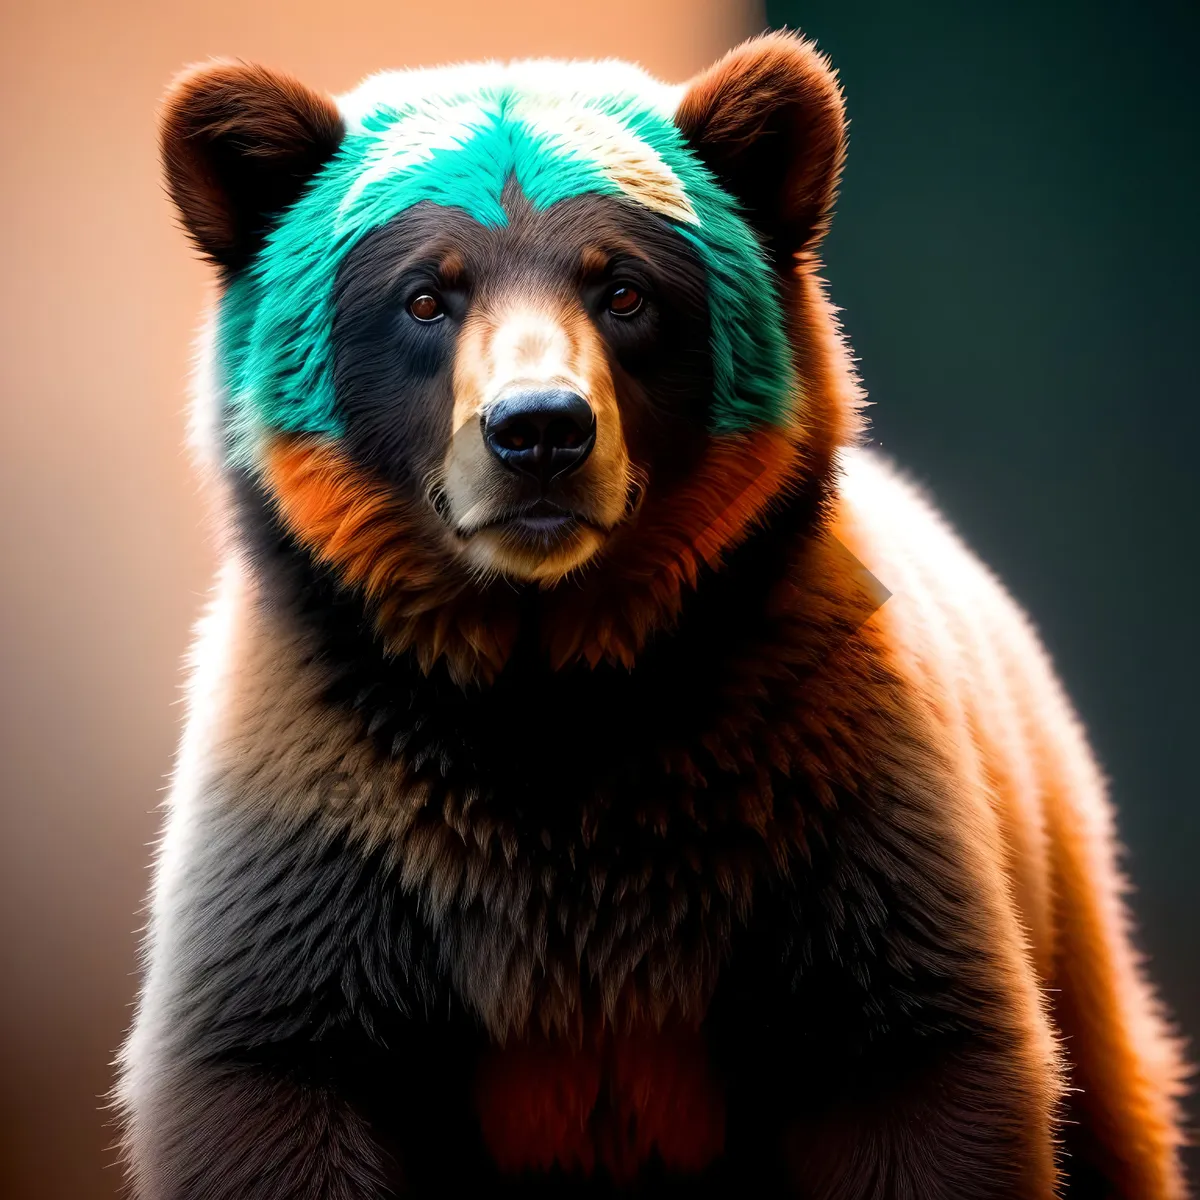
<point>770,115</point>
<point>357,525</point>
<point>1020,795</point>
<point>279,749</point>
<point>1017,746</point>
<point>238,142</point>
<point>927,742</point>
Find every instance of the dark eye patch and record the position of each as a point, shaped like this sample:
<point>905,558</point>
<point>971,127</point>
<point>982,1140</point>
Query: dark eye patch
<point>392,372</point>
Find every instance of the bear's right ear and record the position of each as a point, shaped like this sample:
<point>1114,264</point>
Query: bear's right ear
<point>238,143</point>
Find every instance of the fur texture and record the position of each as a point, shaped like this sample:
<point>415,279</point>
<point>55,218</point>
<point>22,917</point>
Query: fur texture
<point>461,151</point>
<point>703,821</point>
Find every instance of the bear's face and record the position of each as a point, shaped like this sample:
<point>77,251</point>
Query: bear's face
<point>507,321</point>
<point>524,382</point>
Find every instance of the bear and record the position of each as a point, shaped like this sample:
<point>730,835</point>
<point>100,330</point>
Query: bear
<point>603,774</point>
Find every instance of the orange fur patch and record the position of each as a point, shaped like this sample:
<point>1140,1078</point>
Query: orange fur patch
<point>425,601</point>
<point>376,542</point>
<point>610,1106</point>
<point>640,584</point>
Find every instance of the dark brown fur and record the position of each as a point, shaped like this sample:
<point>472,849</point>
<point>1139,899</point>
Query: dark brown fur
<point>238,142</point>
<point>698,874</point>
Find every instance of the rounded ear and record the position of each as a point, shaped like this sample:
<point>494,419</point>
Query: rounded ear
<point>769,121</point>
<point>238,144</point>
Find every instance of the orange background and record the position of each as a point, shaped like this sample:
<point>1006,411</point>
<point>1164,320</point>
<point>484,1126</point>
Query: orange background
<point>103,559</point>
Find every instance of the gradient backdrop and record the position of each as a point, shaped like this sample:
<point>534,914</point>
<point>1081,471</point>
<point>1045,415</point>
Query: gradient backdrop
<point>1018,257</point>
<point>1017,251</point>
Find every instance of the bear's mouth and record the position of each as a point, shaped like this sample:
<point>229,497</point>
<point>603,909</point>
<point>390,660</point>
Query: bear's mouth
<point>540,538</point>
<point>539,521</point>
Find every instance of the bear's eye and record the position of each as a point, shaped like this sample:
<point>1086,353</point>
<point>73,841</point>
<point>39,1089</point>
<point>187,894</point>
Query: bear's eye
<point>426,307</point>
<point>624,300</point>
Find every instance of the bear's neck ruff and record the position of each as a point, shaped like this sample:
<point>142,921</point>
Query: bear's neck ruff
<point>421,604</point>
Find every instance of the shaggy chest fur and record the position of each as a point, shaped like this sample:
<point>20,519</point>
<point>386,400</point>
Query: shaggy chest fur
<point>594,887</point>
<point>581,842</point>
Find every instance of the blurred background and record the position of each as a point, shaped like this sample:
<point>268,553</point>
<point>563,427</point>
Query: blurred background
<point>1017,252</point>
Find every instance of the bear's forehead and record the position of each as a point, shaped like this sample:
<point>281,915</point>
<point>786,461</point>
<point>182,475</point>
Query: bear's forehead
<point>553,81</point>
<point>456,135</point>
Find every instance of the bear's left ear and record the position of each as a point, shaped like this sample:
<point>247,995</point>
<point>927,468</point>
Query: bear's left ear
<point>769,121</point>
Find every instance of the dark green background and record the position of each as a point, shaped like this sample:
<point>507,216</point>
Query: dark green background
<point>1016,252</point>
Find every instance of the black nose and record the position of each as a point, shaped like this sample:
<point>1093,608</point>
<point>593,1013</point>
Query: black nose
<point>543,433</point>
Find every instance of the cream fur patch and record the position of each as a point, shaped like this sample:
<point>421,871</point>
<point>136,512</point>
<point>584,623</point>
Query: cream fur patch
<point>437,125</point>
<point>635,167</point>
<point>580,80</point>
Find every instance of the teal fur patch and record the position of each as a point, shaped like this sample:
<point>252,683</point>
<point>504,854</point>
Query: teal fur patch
<point>275,321</point>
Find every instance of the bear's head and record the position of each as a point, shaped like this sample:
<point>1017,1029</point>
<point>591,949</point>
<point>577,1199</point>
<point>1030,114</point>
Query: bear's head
<point>547,328</point>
